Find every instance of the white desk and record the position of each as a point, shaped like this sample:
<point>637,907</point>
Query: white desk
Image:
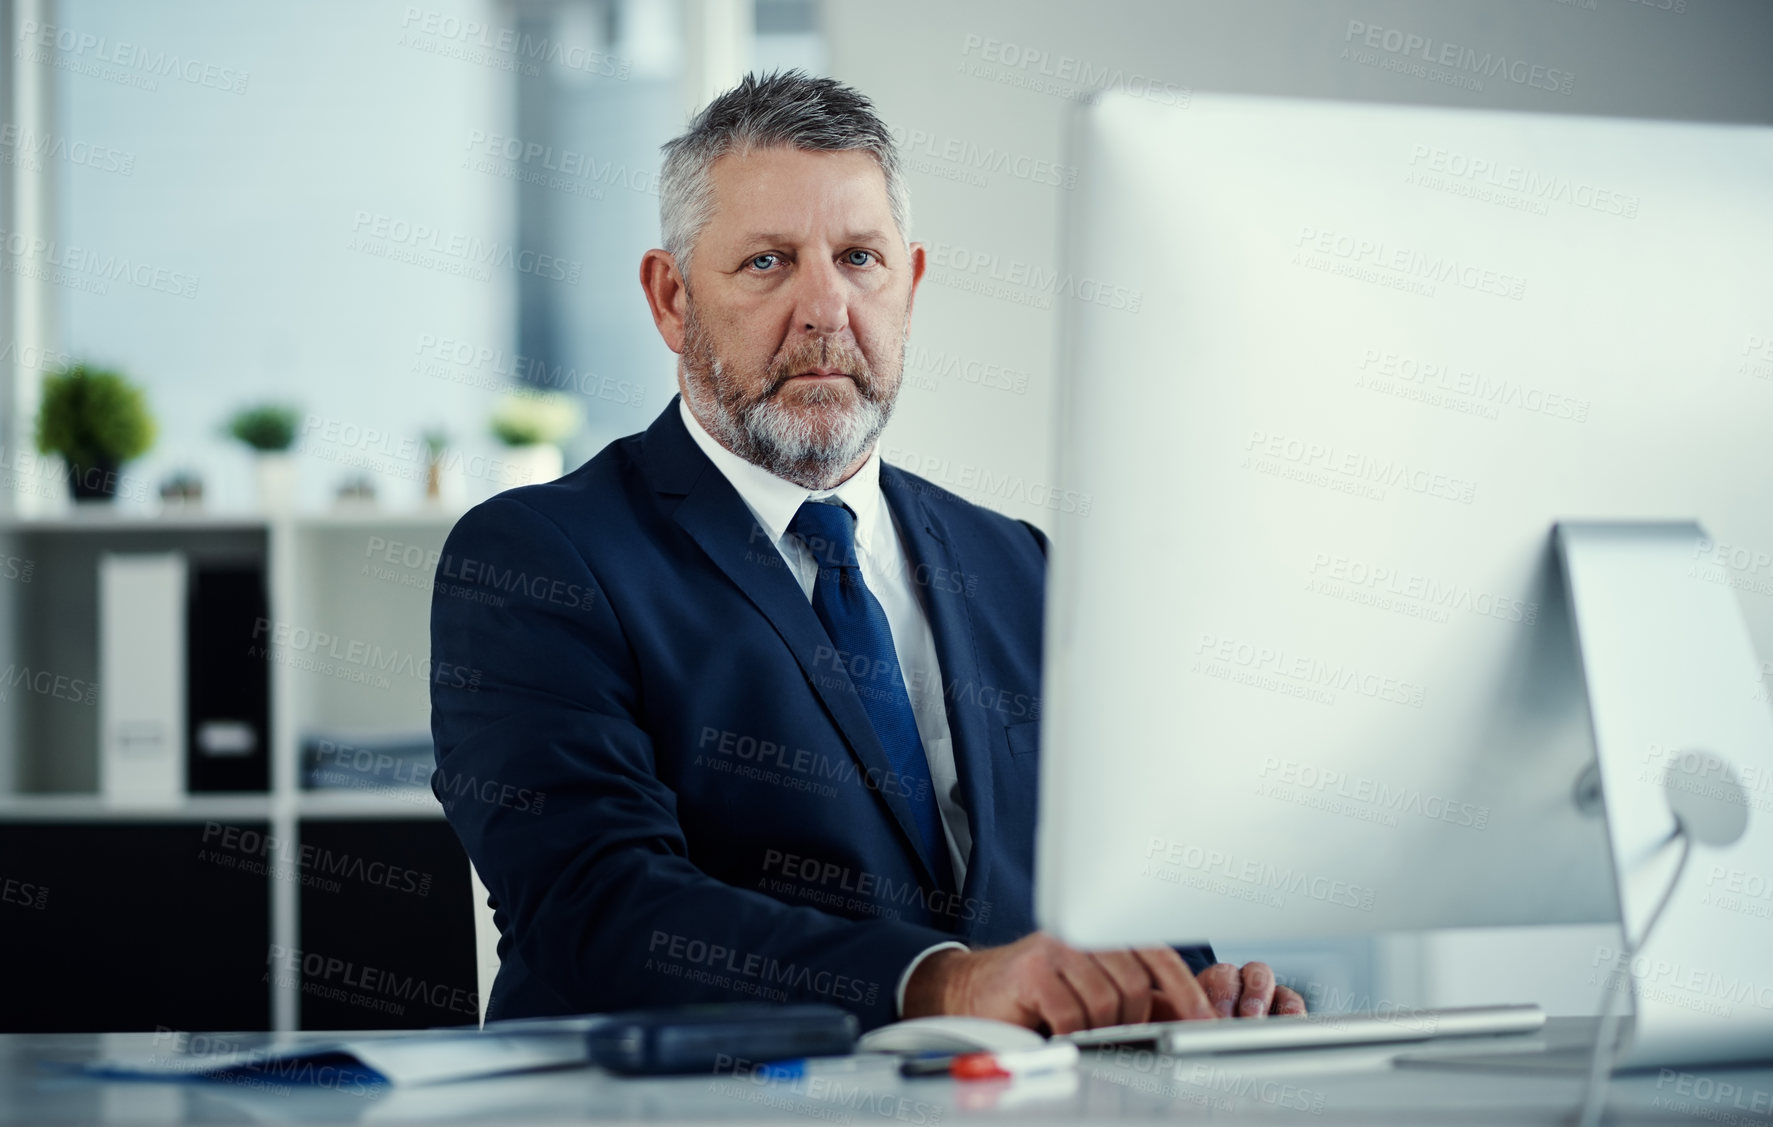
<point>1354,1086</point>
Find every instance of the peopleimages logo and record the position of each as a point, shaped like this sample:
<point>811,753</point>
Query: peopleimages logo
<point>1262,874</point>
<point>684,956</point>
<point>1264,451</point>
<point>799,762</point>
<point>134,64</point>
<point>1711,1090</point>
<point>24,894</point>
<point>83,268</point>
<point>1478,393</point>
<point>1392,797</point>
<point>1525,181</point>
<point>873,890</point>
<point>23,146</point>
<point>505,48</point>
<point>1322,676</point>
<point>980,159</point>
<point>568,165</point>
<point>424,245</point>
<point>1031,278</point>
<point>1064,76</point>
<point>352,659</point>
<point>1406,262</point>
<point>342,980</point>
<point>45,683</point>
<point>1717,989</point>
<point>1425,589</point>
<point>1437,52</point>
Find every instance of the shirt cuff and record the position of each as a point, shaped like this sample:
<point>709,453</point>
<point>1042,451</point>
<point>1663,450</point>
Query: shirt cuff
<point>905,979</point>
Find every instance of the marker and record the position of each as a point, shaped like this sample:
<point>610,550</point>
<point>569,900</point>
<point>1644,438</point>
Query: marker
<point>1054,1057</point>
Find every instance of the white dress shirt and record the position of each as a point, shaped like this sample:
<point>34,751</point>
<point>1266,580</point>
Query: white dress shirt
<point>886,570</point>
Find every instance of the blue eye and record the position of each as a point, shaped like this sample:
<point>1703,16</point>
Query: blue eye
<point>762,261</point>
<point>867,256</point>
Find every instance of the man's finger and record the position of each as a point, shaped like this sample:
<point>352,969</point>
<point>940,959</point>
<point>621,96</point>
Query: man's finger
<point>1132,980</point>
<point>1287,1001</point>
<point>1223,985</point>
<point>1176,982</point>
<point>1058,1004</point>
<point>1097,991</point>
<point>1258,992</point>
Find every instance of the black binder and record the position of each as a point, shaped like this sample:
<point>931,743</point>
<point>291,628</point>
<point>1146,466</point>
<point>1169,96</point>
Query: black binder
<point>228,690</point>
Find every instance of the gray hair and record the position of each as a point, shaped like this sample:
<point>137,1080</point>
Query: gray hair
<point>783,108</point>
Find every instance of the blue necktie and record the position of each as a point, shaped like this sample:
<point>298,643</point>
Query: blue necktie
<point>864,643</point>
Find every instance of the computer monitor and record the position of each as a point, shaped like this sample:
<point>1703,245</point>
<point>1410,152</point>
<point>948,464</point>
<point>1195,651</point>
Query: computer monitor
<point>1331,373</point>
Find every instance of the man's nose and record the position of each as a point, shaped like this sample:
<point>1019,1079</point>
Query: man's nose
<point>821,303</point>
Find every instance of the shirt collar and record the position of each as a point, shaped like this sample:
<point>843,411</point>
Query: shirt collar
<point>774,500</point>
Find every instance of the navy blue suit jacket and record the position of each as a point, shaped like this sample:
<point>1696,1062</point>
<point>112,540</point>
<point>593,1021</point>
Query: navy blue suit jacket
<point>666,777</point>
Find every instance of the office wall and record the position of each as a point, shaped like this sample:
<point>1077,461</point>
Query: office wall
<point>291,191</point>
<point>307,199</point>
<point>978,91</point>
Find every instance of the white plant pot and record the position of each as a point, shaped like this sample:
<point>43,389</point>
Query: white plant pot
<point>276,478</point>
<point>532,464</point>
<point>452,483</point>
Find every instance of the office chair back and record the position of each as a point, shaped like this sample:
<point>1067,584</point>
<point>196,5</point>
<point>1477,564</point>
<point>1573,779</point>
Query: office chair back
<point>486,939</point>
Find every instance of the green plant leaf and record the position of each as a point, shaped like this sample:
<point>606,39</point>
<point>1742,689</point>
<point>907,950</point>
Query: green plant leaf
<point>267,427</point>
<point>93,417</point>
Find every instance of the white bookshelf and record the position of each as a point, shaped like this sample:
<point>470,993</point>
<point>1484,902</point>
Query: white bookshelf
<point>93,808</point>
<point>309,805</point>
<point>327,573</point>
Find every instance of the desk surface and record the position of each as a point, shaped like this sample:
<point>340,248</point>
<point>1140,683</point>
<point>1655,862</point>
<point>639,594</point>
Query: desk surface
<point>1362,1086</point>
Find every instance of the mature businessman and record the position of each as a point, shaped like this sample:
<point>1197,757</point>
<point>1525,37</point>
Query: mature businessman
<point>773,703</point>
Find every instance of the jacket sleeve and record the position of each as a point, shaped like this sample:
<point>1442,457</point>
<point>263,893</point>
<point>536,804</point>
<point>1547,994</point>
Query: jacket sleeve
<point>551,783</point>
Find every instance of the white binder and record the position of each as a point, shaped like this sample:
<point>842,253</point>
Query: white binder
<point>142,678</point>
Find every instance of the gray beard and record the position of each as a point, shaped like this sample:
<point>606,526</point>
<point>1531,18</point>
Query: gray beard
<point>811,452</point>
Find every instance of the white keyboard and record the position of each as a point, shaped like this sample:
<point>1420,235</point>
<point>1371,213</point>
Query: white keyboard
<point>1310,1031</point>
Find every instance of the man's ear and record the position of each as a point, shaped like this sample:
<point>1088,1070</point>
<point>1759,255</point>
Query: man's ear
<point>919,263</point>
<point>667,295</point>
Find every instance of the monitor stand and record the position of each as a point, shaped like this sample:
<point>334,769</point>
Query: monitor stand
<point>1678,707</point>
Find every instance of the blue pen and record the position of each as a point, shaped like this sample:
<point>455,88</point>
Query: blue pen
<point>821,1066</point>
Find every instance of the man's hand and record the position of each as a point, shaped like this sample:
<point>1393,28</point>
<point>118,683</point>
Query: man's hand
<point>1251,992</point>
<point>1041,983</point>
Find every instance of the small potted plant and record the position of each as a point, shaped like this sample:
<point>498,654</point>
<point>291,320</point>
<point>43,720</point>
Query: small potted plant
<point>355,491</point>
<point>436,443</point>
<point>269,429</point>
<point>532,425</point>
<point>181,489</point>
<point>96,420</point>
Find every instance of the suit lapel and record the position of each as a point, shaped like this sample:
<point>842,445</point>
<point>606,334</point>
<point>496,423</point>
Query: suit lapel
<point>717,519</point>
<point>937,570</point>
